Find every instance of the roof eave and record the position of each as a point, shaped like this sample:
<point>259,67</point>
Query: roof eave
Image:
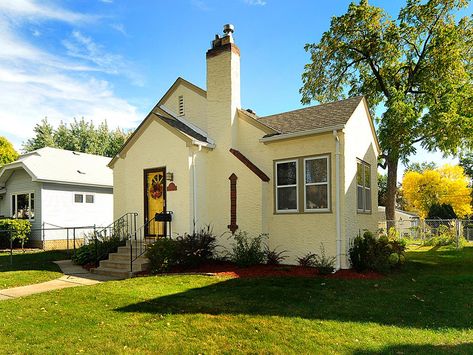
<point>300,134</point>
<point>106,186</point>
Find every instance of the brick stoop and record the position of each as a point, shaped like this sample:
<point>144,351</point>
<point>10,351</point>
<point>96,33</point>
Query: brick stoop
<point>118,264</point>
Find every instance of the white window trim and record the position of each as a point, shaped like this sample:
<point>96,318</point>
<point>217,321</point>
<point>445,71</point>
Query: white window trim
<point>296,185</point>
<point>327,157</point>
<point>16,202</point>
<point>363,187</point>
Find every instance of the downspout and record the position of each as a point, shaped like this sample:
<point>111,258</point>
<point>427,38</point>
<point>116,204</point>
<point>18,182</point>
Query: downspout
<point>194,191</point>
<point>337,200</point>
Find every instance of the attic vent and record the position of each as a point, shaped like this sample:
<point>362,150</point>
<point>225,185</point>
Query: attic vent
<point>80,172</point>
<point>181,105</point>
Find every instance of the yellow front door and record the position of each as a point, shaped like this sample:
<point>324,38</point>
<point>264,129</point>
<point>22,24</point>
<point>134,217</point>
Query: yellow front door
<point>155,199</point>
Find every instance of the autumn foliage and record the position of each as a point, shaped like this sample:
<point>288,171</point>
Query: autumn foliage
<point>445,185</point>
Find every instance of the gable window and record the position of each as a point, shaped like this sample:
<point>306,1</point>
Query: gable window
<point>286,186</point>
<point>316,184</point>
<point>78,198</point>
<point>89,198</point>
<point>22,206</point>
<point>181,105</point>
<point>363,186</point>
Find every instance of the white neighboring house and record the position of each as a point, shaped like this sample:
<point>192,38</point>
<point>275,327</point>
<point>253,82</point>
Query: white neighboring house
<point>57,188</point>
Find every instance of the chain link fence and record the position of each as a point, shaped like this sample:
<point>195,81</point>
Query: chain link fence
<point>434,232</point>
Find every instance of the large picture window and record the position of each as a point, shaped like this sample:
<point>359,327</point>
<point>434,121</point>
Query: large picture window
<point>316,184</point>
<point>286,186</point>
<point>22,206</point>
<point>363,185</point>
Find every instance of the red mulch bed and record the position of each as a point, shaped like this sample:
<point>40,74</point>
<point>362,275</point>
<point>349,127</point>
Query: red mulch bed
<point>231,270</point>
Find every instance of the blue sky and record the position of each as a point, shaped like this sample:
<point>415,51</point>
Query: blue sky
<point>113,59</point>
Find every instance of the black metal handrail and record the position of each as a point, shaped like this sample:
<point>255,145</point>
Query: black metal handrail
<point>147,234</point>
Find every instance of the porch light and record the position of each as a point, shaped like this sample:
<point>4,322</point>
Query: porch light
<point>169,176</point>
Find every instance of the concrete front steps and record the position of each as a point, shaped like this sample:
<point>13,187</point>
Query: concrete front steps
<point>118,264</point>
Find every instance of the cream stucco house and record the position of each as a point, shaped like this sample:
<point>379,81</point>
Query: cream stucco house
<point>305,177</point>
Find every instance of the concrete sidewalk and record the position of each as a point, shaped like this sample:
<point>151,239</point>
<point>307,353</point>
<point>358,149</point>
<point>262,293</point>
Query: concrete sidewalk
<point>74,276</point>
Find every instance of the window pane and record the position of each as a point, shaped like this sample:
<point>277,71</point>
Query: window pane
<point>287,198</point>
<point>359,196</point>
<point>13,208</point>
<point>368,199</point>
<point>286,173</point>
<point>359,174</point>
<point>367,176</point>
<point>89,198</point>
<point>32,205</point>
<point>22,206</point>
<point>79,198</point>
<point>316,170</point>
<point>316,197</point>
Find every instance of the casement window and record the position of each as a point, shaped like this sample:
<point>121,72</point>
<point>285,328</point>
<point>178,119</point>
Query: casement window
<point>316,184</point>
<point>81,198</point>
<point>363,186</point>
<point>22,206</point>
<point>286,186</point>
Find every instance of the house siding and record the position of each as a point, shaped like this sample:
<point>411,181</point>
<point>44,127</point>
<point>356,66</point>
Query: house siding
<point>20,182</point>
<point>359,143</point>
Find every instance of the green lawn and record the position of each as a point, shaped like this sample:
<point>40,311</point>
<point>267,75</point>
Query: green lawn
<point>29,267</point>
<point>427,308</point>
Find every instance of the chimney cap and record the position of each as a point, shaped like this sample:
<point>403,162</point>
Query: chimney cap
<point>228,29</point>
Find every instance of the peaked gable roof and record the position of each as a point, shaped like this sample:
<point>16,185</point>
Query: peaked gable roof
<point>175,122</point>
<point>314,117</point>
<point>62,166</point>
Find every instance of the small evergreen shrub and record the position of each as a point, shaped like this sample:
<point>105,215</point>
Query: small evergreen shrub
<point>382,254</point>
<point>162,255</point>
<point>275,257</point>
<point>247,251</point>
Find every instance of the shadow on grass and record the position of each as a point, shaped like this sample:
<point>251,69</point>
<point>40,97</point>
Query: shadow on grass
<point>466,348</point>
<point>37,260</point>
<point>399,302</point>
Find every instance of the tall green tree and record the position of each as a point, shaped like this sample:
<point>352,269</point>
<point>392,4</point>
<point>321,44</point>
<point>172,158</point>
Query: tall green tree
<point>7,152</point>
<point>418,68</point>
<point>44,137</point>
<point>80,136</point>
<point>421,167</point>
<point>466,162</point>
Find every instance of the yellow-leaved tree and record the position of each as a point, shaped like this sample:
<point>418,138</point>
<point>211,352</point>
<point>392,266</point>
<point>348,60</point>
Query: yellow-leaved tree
<point>445,185</point>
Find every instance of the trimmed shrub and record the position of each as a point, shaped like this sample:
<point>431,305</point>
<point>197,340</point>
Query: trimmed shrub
<point>247,251</point>
<point>382,254</point>
<point>162,255</point>
<point>18,230</point>
<point>186,251</point>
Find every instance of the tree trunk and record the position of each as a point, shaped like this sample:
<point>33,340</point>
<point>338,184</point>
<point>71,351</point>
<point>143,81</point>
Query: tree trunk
<point>391,187</point>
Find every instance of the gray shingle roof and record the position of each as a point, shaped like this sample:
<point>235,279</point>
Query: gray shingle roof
<point>314,117</point>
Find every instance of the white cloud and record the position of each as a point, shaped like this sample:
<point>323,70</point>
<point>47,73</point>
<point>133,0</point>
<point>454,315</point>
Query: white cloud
<point>256,2</point>
<point>119,27</point>
<point>35,83</point>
